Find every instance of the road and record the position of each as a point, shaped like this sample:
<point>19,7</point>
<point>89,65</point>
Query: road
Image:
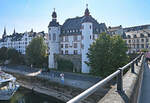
<point>145,88</point>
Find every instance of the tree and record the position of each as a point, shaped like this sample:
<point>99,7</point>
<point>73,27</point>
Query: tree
<point>36,52</point>
<point>107,54</point>
<point>14,56</point>
<point>3,54</point>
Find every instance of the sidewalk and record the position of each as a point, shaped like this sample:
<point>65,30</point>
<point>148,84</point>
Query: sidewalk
<point>78,81</point>
<point>145,89</point>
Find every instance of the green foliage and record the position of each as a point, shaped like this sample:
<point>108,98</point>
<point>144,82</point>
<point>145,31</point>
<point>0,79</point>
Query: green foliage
<point>3,54</point>
<point>14,56</point>
<point>36,52</point>
<point>65,65</point>
<point>107,54</point>
<point>144,50</point>
<point>11,54</point>
<point>132,56</point>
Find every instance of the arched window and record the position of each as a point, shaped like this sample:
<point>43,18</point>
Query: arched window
<point>49,36</point>
<point>54,37</point>
<point>141,35</point>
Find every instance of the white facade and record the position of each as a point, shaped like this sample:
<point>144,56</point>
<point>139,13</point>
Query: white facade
<point>87,35</point>
<point>137,40</point>
<point>18,41</point>
<point>74,37</point>
<point>54,33</point>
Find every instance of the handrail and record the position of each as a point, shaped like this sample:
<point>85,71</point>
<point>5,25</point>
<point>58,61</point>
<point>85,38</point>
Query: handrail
<point>118,73</point>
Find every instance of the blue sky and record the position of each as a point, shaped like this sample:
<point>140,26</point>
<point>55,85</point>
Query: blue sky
<point>26,14</point>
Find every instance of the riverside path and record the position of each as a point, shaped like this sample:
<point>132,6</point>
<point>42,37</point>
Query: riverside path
<point>145,89</point>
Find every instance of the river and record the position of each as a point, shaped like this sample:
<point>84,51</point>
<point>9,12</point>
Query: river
<point>24,95</point>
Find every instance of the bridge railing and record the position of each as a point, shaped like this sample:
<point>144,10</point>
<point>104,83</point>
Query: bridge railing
<point>118,74</point>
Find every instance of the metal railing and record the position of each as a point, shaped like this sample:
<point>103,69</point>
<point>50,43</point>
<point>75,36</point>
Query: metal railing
<point>118,74</point>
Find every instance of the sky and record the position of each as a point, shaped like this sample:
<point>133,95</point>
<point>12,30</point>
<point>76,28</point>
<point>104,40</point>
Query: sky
<point>23,15</point>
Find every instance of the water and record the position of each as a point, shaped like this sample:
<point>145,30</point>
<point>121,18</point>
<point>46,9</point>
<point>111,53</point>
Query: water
<point>27,96</point>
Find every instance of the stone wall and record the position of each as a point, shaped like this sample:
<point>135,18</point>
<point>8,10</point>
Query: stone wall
<point>131,87</point>
<point>75,59</point>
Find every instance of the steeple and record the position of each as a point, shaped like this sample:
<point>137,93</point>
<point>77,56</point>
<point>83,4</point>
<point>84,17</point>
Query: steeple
<point>32,30</point>
<point>54,22</point>
<point>86,13</point>
<point>14,31</point>
<point>54,15</point>
<point>4,34</point>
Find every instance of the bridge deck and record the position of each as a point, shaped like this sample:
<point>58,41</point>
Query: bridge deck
<point>145,89</point>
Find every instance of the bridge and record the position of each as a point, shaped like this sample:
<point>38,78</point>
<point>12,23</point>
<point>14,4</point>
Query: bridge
<point>131,87</point>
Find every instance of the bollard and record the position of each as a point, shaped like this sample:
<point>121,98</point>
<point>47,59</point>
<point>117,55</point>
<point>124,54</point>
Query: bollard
<point>132,67</point>
<point>119,81</point>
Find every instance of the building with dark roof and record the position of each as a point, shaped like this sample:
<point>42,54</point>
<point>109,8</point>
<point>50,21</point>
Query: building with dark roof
<point>20,41</point>
<point>73,37</point>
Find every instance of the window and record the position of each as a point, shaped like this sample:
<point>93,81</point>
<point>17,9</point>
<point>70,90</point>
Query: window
<point>142,45</point>
<point>93,37</point>
<point>142,40</point>
<point>54,37</point>
<point>66,45</point>
<point>66,39</point>
<point>141,35</point>
<point>66,51</point>
<point>146,40</point>
<point>62,52</point>
<point>75,52</point>
<point>137,45</point>
<point>129,41</point>
<point>75,45</point>
<point>82,46</point>
<point>90,26</point>
<point>90,36</point>
<point>75,38</point>
<point>137,40</point>
<point>49,36</point>
<point>82,37</point>
<point>62,45</point>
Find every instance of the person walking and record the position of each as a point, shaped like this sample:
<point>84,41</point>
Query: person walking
<point>62,78</point>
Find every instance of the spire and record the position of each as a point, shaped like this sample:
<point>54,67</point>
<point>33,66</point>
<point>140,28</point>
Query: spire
<point>14,31</point>
<point>4,34</point>
<point>54,15</point>
<point>86,13</point>
<point>32,30</point>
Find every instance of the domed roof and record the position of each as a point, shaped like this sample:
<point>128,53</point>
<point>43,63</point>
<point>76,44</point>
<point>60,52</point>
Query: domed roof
<point>54,15</point>
<point>86,13</point>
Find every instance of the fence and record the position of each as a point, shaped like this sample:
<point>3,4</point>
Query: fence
<point>118,74</point>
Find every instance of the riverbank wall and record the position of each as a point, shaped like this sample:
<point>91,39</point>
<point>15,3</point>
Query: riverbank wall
<point>36,82</point>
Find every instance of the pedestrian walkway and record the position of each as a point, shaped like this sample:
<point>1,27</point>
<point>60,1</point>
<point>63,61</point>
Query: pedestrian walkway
<point>69,79</point>
<point>145,89</point>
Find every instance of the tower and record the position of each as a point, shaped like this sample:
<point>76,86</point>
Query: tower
<point>4,34</point>
<point>14,32</point>
<point>87,34</point>
<point>53,41</point>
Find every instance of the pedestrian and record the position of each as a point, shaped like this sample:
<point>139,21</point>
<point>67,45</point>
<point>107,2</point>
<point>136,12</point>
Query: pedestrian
<point>62,78</point>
